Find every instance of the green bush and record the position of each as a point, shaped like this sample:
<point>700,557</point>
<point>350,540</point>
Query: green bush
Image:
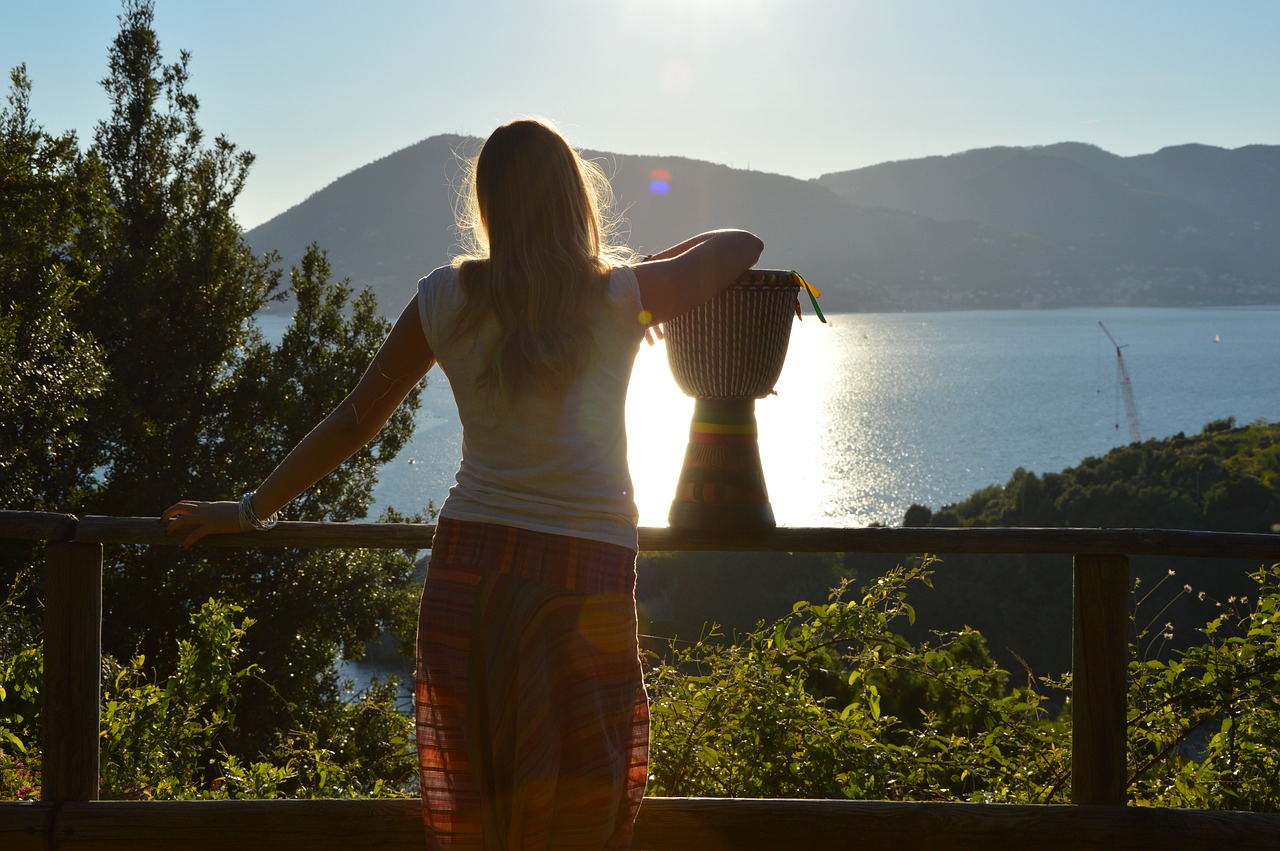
<point>828,702</point>
<point>1204,729</point>
<point>174,736</point>
<point>20,678</point>
<point>831,702</point>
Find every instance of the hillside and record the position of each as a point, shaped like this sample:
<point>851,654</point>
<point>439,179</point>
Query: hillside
<point>1226,478</point>
<point>1066,224</point>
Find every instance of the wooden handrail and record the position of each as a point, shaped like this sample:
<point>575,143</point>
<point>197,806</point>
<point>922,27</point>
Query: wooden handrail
<point>37,526</point>
<point>1096,818</point>
<point>689,824</point>
<point>92,529</point>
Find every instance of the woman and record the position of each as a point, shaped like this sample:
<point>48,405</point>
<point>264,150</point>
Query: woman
<point>531,715</point>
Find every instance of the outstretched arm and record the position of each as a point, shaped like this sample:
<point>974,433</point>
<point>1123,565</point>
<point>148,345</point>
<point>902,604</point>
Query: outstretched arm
<point>680,278</point>
<point>401,362</point>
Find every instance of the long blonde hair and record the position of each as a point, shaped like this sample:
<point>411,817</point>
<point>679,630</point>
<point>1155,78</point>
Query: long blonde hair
<point>538,253</point>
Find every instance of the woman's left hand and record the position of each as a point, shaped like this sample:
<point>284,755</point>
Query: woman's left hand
<point>190,520</point>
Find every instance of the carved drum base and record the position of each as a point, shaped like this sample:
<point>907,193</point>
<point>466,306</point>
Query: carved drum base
<point>721,486</point>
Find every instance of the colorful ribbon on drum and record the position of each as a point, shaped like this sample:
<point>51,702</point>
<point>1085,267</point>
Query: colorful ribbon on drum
<point>814,295</point>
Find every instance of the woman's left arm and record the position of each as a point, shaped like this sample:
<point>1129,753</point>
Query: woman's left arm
<point>401,362</point>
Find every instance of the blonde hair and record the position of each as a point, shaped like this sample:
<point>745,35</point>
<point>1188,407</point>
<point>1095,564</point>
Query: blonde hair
<point>535,220</point>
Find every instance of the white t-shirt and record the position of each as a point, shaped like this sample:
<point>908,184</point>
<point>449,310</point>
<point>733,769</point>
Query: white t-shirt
<point>542,463</point>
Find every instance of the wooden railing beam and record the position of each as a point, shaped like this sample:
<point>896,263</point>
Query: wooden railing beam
<point>37,526</point>
<point>669,824</point>
<point>1099,679</point>
<point>1014,541</point>
<point>72,671</point>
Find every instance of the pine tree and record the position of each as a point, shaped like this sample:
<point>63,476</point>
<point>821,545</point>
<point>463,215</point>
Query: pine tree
<point>196,404</point>
<point>178,286</point>
<point>49,369</point>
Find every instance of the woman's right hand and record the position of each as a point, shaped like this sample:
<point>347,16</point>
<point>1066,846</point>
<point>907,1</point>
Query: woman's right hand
<point>682,277</point>
<point>191,519</point>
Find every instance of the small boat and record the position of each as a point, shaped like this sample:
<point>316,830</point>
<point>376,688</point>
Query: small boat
<point>1217,338</point>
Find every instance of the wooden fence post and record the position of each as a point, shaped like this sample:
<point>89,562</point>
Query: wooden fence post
<point>72,670</point>
<point>1099,663</point>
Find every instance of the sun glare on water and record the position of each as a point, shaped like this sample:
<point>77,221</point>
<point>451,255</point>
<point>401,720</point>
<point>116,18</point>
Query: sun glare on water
<point>790,422</point>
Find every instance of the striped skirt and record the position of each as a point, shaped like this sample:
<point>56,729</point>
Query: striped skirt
<point>532,719</point>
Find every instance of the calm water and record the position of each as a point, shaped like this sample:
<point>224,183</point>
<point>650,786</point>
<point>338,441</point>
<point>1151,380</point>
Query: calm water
<point>876,411</point>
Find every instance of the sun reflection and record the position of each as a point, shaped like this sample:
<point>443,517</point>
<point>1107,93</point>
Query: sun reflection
<point>792,432</point>
<point>657,430</point>
<point>793,436</point>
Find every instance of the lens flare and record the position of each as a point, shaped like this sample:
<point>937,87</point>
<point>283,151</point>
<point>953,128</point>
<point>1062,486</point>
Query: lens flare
<point>659,181</point>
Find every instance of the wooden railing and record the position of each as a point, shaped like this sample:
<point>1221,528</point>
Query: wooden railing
<point>69,817</point>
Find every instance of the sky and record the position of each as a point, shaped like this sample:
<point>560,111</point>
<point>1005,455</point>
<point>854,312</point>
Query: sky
<point>317,88</point>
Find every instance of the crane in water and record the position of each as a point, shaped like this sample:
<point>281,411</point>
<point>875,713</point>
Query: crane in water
<point>1126,388</point>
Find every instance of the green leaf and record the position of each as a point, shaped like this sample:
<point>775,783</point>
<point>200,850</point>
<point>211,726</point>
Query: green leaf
<point>9,737</point>
<point>780,635</point>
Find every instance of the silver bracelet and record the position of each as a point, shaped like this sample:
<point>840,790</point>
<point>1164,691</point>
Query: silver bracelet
<point>249,521</point>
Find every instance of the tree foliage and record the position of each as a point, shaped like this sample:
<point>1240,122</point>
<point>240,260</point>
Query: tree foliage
<point>1227,478</point>
<point>49,368</point>
<point>176,287</point>
<point>137,376</point>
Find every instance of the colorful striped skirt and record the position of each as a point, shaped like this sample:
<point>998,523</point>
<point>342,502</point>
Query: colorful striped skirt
<point>532,719</point>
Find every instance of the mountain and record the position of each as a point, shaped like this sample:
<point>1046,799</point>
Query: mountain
<point>1065,224</point>
<point>385,224</point>
<point>1186,225</point>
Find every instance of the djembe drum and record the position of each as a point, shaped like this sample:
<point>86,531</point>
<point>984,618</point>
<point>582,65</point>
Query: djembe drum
<point>726,354</point>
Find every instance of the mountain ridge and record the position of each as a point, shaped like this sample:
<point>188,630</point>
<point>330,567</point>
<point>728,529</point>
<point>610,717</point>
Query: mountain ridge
<point>1067,224</point>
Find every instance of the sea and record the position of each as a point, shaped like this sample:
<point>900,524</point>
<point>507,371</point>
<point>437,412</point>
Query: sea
<point>876,411</point>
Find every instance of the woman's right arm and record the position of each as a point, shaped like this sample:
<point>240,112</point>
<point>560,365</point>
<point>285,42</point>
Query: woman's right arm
<point>678,279</point>
<point>401,362</point>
